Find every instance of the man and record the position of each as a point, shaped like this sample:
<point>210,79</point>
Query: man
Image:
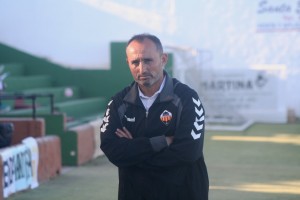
<point>153,130</point>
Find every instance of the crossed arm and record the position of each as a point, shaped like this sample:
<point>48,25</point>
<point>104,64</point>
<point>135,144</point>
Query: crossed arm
<point>126,134</point>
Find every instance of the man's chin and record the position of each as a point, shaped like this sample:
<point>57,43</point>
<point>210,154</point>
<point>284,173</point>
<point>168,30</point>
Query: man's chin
<point>144,83</point>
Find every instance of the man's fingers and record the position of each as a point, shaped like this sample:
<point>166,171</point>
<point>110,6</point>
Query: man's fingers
<point>123,133</point>
<point>119,134</point>
<point>127,133</point>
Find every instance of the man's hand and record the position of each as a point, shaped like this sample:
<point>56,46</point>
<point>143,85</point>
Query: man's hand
<point>123,133</point>
<point>169,139</point>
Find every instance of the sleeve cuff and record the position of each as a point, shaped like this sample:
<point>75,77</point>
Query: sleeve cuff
<point>158,143</point>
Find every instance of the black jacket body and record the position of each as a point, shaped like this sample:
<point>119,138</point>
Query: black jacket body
<point>148,167</point>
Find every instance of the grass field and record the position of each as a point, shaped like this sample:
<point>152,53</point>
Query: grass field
<point>261,163</point>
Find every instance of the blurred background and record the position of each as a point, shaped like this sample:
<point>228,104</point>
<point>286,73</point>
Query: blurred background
<point>61,61</point>
<point>250,41</point>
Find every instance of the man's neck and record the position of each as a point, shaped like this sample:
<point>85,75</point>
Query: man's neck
<point>150,91</point>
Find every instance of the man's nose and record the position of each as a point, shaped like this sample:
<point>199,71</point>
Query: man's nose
<point>142,66</point>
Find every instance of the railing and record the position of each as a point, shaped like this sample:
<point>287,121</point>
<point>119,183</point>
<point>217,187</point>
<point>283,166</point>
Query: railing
<point>33,97</point>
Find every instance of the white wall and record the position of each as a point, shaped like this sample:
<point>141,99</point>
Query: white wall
<point>77,33</point>
<point>234,33</point>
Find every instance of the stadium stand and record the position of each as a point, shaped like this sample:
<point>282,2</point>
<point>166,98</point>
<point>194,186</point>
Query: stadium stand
<point>79,97</point>
<point>70,102</point>
<point>75,109</point>
<point>60,107</point>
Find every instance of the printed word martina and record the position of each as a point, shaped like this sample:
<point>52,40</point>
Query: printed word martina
<point>228,85</point>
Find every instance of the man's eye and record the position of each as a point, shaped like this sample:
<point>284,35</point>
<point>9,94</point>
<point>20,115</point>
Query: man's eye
<point>135,62</point>
<point>147,61</point>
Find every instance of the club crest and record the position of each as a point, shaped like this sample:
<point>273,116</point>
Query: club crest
<point>166,117</point>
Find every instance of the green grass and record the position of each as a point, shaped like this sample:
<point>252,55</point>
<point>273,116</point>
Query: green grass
<point>94,180</point>
<point>261,163</point>
<point>251,170</point>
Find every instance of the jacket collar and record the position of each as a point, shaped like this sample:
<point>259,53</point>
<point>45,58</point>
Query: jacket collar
<point>166,94</point>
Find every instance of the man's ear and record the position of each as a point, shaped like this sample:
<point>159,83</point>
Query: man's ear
<point>164,58</point>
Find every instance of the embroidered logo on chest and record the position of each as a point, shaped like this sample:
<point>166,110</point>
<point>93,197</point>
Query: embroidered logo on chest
<point>166,117</point>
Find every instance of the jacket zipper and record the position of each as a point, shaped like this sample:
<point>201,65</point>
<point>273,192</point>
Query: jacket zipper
<point>146,120</point>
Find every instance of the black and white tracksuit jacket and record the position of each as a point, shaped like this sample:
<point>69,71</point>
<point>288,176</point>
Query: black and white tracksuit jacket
<point>149,169</point>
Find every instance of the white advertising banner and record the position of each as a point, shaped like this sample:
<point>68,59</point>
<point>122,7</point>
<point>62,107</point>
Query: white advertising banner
<point>278,15</point>
<point>31,143</point>
<point>255,95</point>
<point>19,172</point>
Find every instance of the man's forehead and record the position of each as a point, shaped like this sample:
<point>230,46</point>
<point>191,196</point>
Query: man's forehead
<point>140,54</point>
<point>136,50</point>
<point>141,46</point>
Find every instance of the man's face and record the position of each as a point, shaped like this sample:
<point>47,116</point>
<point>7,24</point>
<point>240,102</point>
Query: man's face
<point>146,63</point>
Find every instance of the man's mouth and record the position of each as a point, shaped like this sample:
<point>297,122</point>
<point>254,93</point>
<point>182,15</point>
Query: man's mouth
<point>142,77</point>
